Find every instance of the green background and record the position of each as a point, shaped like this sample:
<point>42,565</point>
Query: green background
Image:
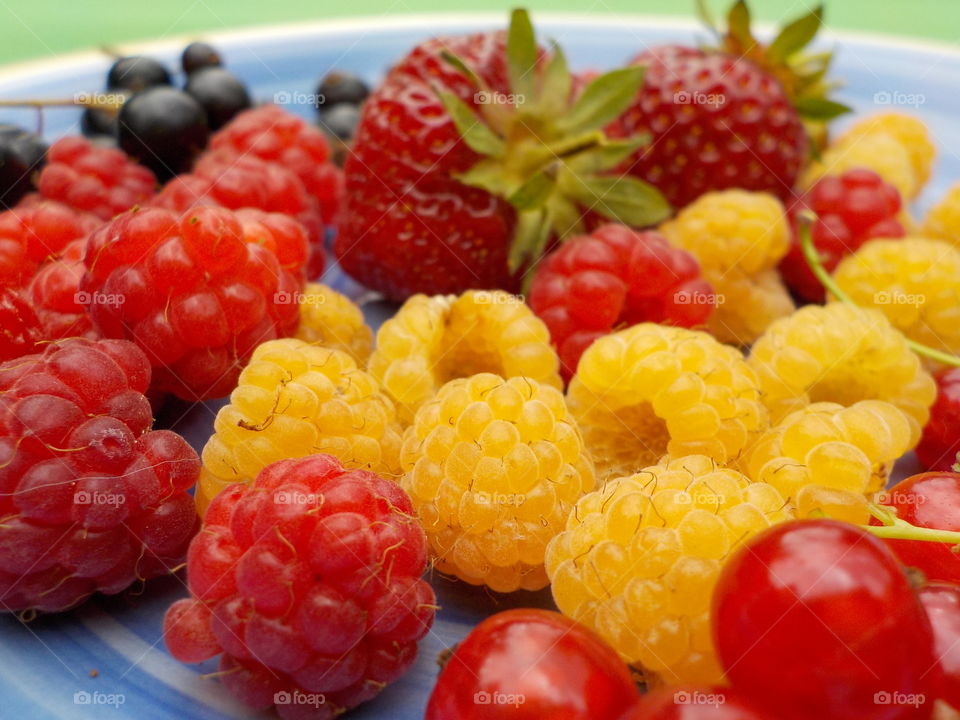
<point>46,28</point>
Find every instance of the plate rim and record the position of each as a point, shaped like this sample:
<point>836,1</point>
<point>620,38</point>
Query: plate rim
<point>21,70</point>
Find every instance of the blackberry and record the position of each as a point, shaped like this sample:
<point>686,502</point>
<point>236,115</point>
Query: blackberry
<point>199,55</point>
<point>164,129</point>
<point>220,92</point>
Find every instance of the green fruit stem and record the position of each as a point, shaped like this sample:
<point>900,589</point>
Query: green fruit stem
<point>804,221</point>
<point>893,528</point>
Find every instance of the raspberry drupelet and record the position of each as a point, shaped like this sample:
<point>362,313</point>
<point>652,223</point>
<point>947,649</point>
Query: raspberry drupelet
<point>307,584</point>
<point>98,180</point>
<point>91,498</point>
<point>197,292</point>
<point>432,340</point>
<point>332,320</point>
<point>615,276</point>
<point>493,467</point>
<point>20,328</point>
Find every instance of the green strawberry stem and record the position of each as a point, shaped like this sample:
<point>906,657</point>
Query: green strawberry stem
<point>893,528</point>
<point>804,221</point>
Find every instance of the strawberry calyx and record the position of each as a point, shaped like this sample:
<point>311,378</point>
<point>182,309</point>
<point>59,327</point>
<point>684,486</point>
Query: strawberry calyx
<point>801,72</point>
<point>544,150</point>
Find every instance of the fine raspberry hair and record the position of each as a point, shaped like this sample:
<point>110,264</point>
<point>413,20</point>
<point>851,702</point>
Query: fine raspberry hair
<point>197,292</point>
<point>98,180</point>
<point>306,583</point>
<point>92,499</point>
<point>613,277</point>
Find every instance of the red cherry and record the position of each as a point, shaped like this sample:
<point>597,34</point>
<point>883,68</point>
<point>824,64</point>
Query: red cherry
<point>712,703</point>
<point>816,619</point>
<point>532,665</point>
<point>942,603</point>
<point>940,443</point>
<point>927,500</point>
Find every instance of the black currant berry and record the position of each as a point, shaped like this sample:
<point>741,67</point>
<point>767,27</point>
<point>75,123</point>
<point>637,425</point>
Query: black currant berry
<point>220,93</point>
<point>98,121</point>
<point>164,129</point>
<point>341,120</point>
<point>199,55</point>
<point>22,154</point>
<point>341,87</point>
<point>135,73</point>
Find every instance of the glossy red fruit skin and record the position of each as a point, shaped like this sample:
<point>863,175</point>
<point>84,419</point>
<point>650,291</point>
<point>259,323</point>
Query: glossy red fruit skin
<point>942,603</point>
<point>850,209</point>
<point>689,703</point>
<point>20,328</point>
<point>613,277</point>
<point>716,122</point>
<point>816,619</point>
<point>940,442</point>
<point>531,665</point>
<point>408,225</point>
<point>930,500</point>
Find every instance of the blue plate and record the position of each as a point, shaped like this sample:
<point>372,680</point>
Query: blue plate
<point>107,658</point>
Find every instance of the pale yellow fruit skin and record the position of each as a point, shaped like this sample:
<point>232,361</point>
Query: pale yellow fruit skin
<point>943,220</point>
<point>914,282</point>
<point>910,131</point>
<point>332,320</point>
<point>493,467</point>
<point>639,558</point>
<point>295,399</point>
<point>432,340</point>
<point>840,353</point>
<point>650,390</point>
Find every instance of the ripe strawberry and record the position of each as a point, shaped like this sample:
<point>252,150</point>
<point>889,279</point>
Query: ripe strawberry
<point>472,155</point>
<point>727,117</point>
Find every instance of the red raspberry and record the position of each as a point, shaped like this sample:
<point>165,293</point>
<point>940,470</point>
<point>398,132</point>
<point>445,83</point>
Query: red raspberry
<point>99,180</point>
<point>307,584</point>
<point>55,294</point>
<point>940,443</point>
<point>196,292</point>
<point>613,277</point>
<point>277,136</point>
<point>34,231</point>
<point>91,499</point>
<point>20,329</point>
<point>851,208</point>
<point>246,182</point>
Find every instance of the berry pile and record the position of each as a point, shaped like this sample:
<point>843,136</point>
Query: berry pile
<point>196,292</point>
<point>432,340</point>
<point>307,585</point>
<point>615,276</point>
<point>295,399</point>
<point>738,237</point>
<point>92,499</point>
<point>493,467</point>
<point>638,560</point>
<point>850,209</point>
<point>653,390</point>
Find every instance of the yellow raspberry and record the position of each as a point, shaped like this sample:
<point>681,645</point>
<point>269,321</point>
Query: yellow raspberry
<point>295,399</point>
<point>330,319</point>
<point>879,151</point>
<point>943,220</point>
<point>840,353</point>
<point>731,229</point>
<point>747,305</point>
<point>432,340</point>
<point>639,559</point>
<point>909,131</point>
<point>738,237</point>
<point>849,450</point>
<point>493,467</point>
<point>650,390</point>
<point>915,282</point>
